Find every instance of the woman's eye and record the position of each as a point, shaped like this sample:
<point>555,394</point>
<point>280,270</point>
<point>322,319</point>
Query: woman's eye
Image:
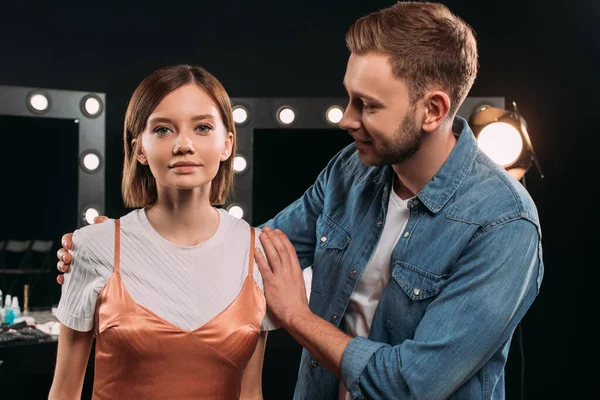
<point>204,128</point>
<point>162,130</point>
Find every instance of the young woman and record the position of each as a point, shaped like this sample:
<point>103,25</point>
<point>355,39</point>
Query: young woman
<point>170,291</point>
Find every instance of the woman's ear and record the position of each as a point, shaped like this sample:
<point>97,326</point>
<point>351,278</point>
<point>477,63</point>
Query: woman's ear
<point>227,147</point>
<point>140,155</point>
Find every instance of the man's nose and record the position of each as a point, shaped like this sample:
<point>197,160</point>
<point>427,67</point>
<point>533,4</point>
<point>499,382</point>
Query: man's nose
<point>350,120</point>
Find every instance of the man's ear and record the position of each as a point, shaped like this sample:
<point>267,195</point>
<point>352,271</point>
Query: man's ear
<point>228,147</point>
<point>140,156</point>
<point>436,105</point>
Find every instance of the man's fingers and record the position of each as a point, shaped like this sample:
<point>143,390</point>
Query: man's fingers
<point>270,251</point>
<point>62,267</point>
<point>263,265</point>
<point>290,249</point>
<point>67,241</point>
<point>64,256</point>
<point>279,245</point>
<point>60,279</point>
<point>100,219</point>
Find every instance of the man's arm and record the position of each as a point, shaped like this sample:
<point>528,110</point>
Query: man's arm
<point>71,362</point>
<point>476,313</point>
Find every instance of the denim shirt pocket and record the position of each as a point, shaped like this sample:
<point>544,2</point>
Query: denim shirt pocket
<point>332,241</point>
<point>417,283</point>
<point>410,291</point>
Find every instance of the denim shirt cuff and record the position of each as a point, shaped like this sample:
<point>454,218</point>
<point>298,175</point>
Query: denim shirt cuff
<point>357,354</point>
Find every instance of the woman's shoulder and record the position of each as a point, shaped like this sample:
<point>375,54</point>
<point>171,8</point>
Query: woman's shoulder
<point>234,224</point>
<point>104,230</point>
<point>95,232</point>
<point>92,249</point>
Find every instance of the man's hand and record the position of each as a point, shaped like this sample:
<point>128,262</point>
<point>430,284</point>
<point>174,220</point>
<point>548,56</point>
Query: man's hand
<point>64,257</point>
<point>287,303</point>
<point>284,283</point>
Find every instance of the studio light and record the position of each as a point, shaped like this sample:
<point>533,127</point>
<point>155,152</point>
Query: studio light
<point>502,135</point>
<point>334,114</point>
<point>286,115</point>
<point>236,211</point>
<point>239,164</point>
<point>90,214</point>
<point>38,102</point>
<point>91,106</point>
<point>240,114</point>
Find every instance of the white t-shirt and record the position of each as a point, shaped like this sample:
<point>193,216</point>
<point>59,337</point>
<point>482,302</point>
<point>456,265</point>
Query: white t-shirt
<point>186,286</point>
<point>365,297</point>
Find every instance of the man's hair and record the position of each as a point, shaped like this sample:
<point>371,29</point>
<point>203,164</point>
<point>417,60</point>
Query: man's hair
<point>138,185</point>
<point>429,47</point>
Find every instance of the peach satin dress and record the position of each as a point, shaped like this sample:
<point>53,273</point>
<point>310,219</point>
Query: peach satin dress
<point>140,355</point>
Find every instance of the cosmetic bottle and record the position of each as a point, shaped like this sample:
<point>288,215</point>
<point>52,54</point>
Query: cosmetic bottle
<point>15,307</point>
<point>9,316</point>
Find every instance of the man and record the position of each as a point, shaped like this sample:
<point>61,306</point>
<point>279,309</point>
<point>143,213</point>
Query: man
<point>425,253</point>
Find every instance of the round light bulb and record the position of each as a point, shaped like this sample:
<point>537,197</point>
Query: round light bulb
<point>335,114</point>
<point>92,105</point>
<point>236,211</point>
<point>39,102</point>
<point>240,115</point>
<point>91,161</point>
<point>90,214</point>
<point>239,164</point>
<point>286,115</point>
<point>502,142</point>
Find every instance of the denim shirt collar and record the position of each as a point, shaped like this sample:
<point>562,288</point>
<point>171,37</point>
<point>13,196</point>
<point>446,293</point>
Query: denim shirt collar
<point>450,175</point>
<point>454,170</point>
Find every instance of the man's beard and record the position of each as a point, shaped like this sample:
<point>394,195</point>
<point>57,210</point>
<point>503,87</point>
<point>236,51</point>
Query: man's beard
<point>406,141</point>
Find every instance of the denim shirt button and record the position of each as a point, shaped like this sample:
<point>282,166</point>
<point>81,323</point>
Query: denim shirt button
<point>417,291</point>
<point>313,363</point>
<point>353,272</point>
<point>415,202</point>
<point>379,223</point>
<point>323,239</point>
<point>406,234</point>
<point>333,318</point>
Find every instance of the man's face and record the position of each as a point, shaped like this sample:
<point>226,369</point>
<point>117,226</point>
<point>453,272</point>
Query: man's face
<point>379,116</point>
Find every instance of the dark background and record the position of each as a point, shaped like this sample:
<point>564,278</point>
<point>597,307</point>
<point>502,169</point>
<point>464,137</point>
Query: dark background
<point>543,55</point>
<point>31,210</point>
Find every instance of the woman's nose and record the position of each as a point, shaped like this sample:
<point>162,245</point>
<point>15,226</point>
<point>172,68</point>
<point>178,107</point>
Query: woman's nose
<point>183,144</point>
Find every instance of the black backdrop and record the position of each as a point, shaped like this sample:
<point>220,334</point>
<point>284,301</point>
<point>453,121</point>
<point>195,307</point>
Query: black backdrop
<point>543,55</point>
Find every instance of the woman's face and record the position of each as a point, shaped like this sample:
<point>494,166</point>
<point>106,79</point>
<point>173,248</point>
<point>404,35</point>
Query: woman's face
<point>185,140</point>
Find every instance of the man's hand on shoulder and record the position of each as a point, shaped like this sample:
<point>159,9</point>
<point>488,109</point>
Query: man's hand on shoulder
<point>63,255</point>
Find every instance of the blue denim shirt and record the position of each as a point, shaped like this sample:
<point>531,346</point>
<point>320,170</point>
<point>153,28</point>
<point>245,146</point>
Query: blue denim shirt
<point>463,274</point>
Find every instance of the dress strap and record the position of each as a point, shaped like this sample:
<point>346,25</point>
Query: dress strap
<point>251,257</point>
<point>117,245</point>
